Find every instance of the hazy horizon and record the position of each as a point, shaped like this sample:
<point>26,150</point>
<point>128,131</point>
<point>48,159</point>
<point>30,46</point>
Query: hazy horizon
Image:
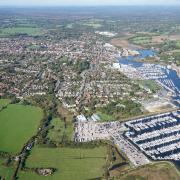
<point>89,3</point>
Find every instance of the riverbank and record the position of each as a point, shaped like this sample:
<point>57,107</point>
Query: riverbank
<point>176,68</point>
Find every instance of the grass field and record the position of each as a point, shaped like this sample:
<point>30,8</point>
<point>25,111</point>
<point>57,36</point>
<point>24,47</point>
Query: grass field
<point>157,171</point>
<point>17,124</point>
<point>4,102</point>
<point>150,84</point>
<point>57,131</point>
<point>105,117</point>
<point>30,31</point>
<point>93,25</point>
<point>69,117</point>
<point>76,164</point>
<point>5,172</point>
<point>64,112</point>
<point>141,40</point>
<point>34,47</point>
<point>70,26</point>
<point>178,44</point>
<point>69,131</point>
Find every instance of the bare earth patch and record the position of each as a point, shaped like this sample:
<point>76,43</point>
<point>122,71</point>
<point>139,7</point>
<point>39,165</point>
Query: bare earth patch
<point>124,43</point>
<point>161,39</point>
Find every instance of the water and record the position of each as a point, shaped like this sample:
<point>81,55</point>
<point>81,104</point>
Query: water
<point>143,54</point>
<point>177,164</point>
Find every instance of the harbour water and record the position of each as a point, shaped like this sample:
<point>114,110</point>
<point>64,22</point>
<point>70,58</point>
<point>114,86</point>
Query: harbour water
<point>142,54</point>
<point>167,78</point>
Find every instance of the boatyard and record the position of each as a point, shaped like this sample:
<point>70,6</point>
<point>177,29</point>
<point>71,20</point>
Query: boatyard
<point>157,136</point>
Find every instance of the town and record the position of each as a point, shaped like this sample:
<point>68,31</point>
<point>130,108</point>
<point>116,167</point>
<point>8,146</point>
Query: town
<point>89,93</point>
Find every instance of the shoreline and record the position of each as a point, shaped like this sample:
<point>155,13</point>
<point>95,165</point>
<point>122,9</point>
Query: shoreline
<point>176,68</point>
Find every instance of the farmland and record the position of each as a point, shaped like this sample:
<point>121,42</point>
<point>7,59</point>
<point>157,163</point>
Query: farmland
<point>17,124</point>
<point>76,163</point>
<point>94,23</point>
<point>30,31</point>
<point>141,40</point>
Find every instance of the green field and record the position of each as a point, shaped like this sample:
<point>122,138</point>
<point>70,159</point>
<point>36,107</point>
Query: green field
<point>34,47</point>
<point>4,102</point>
<point>105,117</point>
<point>119,110</point>
<point>5,172</point>
<point>30,31</point>
<point>70,26</point>
<point>150,84</point>
<point>17,124</point>
<point>57,131</point>
<point>76,164</point>
<point>141,40</point>
<point>93,25</point>
<point>69,131</point>
<point>178,44</point>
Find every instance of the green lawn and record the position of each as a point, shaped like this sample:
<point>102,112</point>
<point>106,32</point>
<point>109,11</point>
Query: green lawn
<point>93,25</point>
<point>33,47</point>
<point>119,110</point>
<point>5,172</point>
<point>17,124</point>
<point>58,131</point>
<point>141,40</point>
<point>4,102</point>
<point>70,26</point>
<point>178,44</point>
<point>105,117</point>
<point>150,84</point>
<point>76,164</point>
<point>69,131</point>
<point>30,31</point>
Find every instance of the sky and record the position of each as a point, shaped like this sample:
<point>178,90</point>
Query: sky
<point>86,2</point>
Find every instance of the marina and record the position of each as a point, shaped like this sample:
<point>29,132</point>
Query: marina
<point>165,77</point>
<point>157,136</point>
